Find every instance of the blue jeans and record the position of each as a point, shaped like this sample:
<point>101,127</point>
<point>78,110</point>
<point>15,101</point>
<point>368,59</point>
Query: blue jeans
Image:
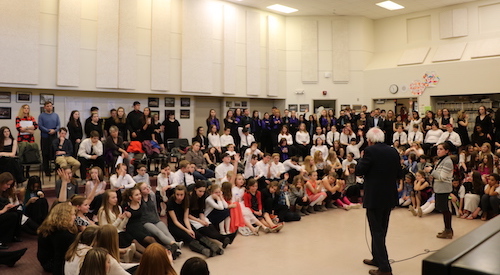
<point>208,174</point>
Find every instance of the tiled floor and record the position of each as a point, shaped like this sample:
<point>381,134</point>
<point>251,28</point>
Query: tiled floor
<point>332,242</point>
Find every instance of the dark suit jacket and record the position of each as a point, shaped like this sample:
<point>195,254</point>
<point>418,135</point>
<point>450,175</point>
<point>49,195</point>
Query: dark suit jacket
<point>370,122</point>
<point>198,138</point>
<point>381,168</point>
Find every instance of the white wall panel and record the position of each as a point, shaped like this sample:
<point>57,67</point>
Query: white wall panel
<point>253,53</point>
<point>160,45</point>
<point>485,48</point>
<point>446,24</point>
<point>68,43</point>
<point>414,56</point>
<point>107,44</point>
<point>340,51</point>
<point>197,31</point>
<point>19,34</point>
<point>229,50</point>
<point>127,45</point>
<point>460,22</point>
<point>449,52</point>
<point>309,42</point>
<point>272,56</point>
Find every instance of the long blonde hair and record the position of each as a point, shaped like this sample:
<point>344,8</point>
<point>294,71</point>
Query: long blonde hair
<point>317,158</point>
<point>21,112</point>
<point>308,166</point>
<point>59,218</point>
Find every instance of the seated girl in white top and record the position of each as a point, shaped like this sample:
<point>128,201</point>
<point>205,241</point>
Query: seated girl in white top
<point>319,146</point>
<point>319,134</point>
<point>285,133</point>
<point>226,138</point>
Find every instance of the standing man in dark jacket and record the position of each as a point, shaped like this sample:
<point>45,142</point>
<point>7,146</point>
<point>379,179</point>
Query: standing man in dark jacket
<point>135,121</point>
<point>381,168</point>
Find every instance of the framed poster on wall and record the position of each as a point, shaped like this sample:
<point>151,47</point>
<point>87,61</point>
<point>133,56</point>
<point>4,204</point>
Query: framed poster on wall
<point>304,107</point>
<point>293,107</point>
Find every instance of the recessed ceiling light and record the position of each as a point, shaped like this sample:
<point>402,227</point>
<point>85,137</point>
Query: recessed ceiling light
<point>281,8</point>
<point>390,5</point>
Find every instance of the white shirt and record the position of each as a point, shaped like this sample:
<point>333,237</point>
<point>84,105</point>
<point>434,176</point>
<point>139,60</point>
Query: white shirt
<point>322,136</point>
<point>86,147</point>
<point>402,137</point>
<point>211,204</point>
<point>221,171</point>
<point>277,169</point>
<point>331,137</point>
<point>355,149</point>
<point>415,136</point>
<point>163,181</point>
<point>252,172</point>
<point>346,163</point>
<point>214,140</point>
<point>289,165</point>
<point>452,136</point>
<point>264,168</point>
<point>177,178</point>
<point>248,154</point>
<point>346,139</point>
<point>119,181</point>
<point>245,140</point>
<point>289,138</point>
<point>321,148</point>
<point>433,136</point>
<point>189,179</point>
<point>225,140</point>
<point>302,137</point>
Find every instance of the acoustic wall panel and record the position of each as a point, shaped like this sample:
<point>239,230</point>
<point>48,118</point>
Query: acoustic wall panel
<point>127,44</point>
<point>340,51</point>
<point>68,43</point>
<point>460,22</point>
<point>309,58</point>
<point>19,40</point>
<point>253,53</point>
<point>229,49</point>
<point>446,24</point>
<point>107,44</point>
<point>272,56</point>
<point>449,52</point>
<point>160,45</point>
<point>414,56</point>
<point>486,48</point>
<point>197,61</point>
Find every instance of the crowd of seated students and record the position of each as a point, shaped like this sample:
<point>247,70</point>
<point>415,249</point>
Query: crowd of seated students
<point>257,175</point>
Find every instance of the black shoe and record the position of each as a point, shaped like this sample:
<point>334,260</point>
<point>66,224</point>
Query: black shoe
<point>370,262</point>
<point>225,242</point>
<point>16,239</point>
<point>14,256</point>
<point>232,236</point>
<point>3,246</point>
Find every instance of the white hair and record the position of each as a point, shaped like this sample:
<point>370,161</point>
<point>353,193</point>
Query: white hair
<point>375,135</point>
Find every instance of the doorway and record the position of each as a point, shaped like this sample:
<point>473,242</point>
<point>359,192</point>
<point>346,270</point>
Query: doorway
<point>326,104</point>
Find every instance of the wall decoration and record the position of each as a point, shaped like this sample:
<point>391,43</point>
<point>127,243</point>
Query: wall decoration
<point>431,79</point>
<point>356,107</point>
<point>304,107</point>
<point>229,104</point>
<point>153,102</point>
<point>185,113</point>
<point>24,97</point>
<point>168,112</point>
<point>46,98</point>
<point>417,87</point>
<point>237,104</point>
<point>293,107</point>
<point>169,102</point>
<point>5,97</point>
<point>244,104</point>
<point>185,102</point>
<point>5,112</point>
<point>345,106</point>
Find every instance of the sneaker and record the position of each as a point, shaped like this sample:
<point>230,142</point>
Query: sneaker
<point>346,207</point>
<point>412,210</point>
<point>356,206</point>
<point>267,229</point>
<point>180,244</point>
